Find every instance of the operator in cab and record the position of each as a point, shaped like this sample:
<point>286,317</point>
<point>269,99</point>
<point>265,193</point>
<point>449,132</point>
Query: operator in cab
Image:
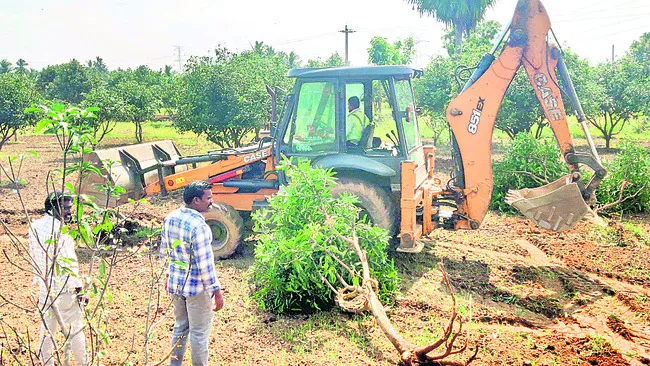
<point>355,121</point>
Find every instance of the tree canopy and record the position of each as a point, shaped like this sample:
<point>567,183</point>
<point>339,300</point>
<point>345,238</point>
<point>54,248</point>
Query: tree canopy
<point>461,15</point>
<point>17,92</point>
<point>382,52</point>
<point>225,99</point>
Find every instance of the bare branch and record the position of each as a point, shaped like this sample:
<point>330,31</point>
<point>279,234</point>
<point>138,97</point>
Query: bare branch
<point>620,199</point>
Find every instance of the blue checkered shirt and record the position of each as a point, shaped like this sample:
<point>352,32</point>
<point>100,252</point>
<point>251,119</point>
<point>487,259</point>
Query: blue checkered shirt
<point>187,241</point>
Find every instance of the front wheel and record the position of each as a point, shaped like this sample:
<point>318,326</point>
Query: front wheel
<point>226,225</point>
<point>374,202</point>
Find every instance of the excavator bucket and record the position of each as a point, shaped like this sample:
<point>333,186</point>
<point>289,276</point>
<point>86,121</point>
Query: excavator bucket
<point>557,206</point>
<point>130,167</point>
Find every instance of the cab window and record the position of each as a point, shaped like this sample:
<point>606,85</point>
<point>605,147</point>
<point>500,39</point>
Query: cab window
<point>406,112</point>
<point>313,121</point>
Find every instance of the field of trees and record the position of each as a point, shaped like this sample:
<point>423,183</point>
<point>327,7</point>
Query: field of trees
<point>526,296</point>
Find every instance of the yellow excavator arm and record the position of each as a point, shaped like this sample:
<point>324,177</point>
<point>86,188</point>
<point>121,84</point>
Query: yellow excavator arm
<point>472,114</point>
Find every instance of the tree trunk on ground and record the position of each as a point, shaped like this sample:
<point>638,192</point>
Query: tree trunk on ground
<point>364,297</point>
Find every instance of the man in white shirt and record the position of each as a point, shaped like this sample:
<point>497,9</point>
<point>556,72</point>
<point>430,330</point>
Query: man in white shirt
<point>57,273</point>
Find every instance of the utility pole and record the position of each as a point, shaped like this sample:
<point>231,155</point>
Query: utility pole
<point>418,55</point>
<point>179,60</point>
<point>612,53</point>
<point>346,31</point>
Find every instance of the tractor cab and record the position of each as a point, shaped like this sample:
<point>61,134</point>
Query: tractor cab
<point>356,120</point>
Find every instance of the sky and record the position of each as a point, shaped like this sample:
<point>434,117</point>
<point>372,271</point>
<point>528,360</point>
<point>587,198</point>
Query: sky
<point>128,33</point>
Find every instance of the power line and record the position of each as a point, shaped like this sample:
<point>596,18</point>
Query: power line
<point>305,39</point>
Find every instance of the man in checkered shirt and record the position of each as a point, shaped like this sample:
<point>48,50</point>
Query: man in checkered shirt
<point>186,241</point>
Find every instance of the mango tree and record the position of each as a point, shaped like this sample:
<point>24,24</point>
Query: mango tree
<point>621,101</point>
<point>17,92</point>
<point>65,82</point>
<point>225,98</point>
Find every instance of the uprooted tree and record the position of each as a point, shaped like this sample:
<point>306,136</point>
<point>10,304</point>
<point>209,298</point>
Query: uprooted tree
<point>315,251</point>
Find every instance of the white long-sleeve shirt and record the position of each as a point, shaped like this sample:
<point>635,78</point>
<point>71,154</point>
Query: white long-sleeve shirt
<point>63,276</point>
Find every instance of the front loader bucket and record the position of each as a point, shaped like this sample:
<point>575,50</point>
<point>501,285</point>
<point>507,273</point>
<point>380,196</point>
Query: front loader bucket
<point>130,167</point>
<point>557,206</point>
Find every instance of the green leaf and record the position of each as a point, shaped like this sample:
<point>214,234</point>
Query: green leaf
<point>180,264</point>
<point>42,125</point>
<point>176,243</point>
<point>102,269</point>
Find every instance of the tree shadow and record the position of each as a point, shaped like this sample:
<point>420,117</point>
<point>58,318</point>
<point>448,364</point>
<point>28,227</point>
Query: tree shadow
<point>563,290</point>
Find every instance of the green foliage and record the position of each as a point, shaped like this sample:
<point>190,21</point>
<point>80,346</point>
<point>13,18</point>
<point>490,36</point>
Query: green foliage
<point>585,81</point>
<point>334,60</point>
<point>476,44</point>
<point>623,96</point>
<point>225,98</point>
<point>66,82</point>
<point>435,89</point>
<point>142,92</point>
<point>462,15</point>
<point>17,92</point>
<point>527,163</point>
<point>5,66</point>
<point>520,110</point>
<point>21,66</point>
<point>640,49</point>
<point>112,108</point>
<point>381,52</point>
<point>631,165</point>
<point>301,241</point>
<point>433,92</point>
<point>98,65</point>
<point>141,103</point>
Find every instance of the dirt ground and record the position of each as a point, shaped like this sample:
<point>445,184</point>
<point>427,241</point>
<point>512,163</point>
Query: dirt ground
<point>531,297</point>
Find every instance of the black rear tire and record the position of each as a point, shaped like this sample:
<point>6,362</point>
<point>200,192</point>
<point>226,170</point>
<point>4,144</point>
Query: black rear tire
<point>226,225</point>
<point>375,202</point>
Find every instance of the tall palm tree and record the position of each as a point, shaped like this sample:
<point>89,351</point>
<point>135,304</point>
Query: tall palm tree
<point>262,49</point>
<point>100,65</point>
<point>5,66</point>
<point>293,60</point>
<point>168,70</point>
<point>463,15</point>
<point>20,66</point>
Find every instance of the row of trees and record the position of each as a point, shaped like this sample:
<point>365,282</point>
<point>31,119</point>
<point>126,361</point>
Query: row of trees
<point>223,96</point>
<point>611,93</point>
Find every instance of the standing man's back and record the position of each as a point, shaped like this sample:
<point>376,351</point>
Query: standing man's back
<point>192,281</point>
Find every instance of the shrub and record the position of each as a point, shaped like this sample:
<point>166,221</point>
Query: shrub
<point>528,163</point>
<point>301,241</point>
<point>631,164</point>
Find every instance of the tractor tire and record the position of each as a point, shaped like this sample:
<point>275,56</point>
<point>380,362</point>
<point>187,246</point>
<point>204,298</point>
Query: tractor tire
<point>374,201</point>
<point>226,225</point>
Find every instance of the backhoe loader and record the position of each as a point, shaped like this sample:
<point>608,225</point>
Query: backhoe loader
<point>388,168</point>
